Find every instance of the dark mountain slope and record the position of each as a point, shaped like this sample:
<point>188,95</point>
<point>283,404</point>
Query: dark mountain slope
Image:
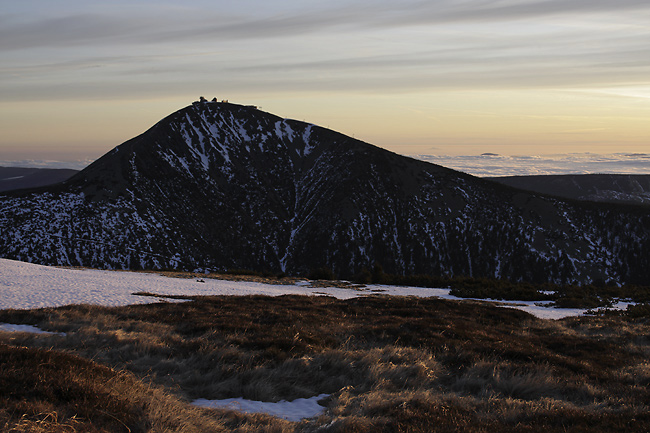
<point>610,188</point>
<point>23,177</point>
<point>219,185</point>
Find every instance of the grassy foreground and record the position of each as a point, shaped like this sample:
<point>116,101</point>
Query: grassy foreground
<point>390,364</point>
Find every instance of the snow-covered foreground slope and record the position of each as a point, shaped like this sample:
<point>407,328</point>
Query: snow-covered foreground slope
<point>26,285</point>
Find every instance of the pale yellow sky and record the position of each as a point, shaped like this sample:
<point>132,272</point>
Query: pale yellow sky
<point>512,122</point>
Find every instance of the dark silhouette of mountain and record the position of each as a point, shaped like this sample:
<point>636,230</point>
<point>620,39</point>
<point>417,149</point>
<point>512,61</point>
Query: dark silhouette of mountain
<point>610,188</point>
<point>21,177</point>
<point>223,186</point>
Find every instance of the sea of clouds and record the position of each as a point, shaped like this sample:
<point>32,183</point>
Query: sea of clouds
<point>46,163</point>
<point>491,164</point>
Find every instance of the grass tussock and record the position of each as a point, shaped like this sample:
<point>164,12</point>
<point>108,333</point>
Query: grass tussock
<point>390,364</point>
<point>51,391</point>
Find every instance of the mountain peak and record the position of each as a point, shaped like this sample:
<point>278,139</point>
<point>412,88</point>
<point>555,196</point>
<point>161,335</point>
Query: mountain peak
<point>218,185</point>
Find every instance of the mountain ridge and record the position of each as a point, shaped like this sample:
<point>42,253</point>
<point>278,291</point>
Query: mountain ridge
<point>222,186</point>
<point>12,178</point>
<point>609,188</point>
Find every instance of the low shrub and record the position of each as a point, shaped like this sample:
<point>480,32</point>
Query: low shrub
<point>638,310</point>
<point>322,273</point>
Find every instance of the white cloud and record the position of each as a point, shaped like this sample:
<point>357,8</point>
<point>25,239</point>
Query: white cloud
<point>32,163</point>
<point>491,165</point>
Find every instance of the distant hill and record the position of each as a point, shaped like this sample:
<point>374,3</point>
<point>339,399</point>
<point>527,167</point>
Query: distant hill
<point>19,177</point>
<point>226,186</point>
<point>610,188</point>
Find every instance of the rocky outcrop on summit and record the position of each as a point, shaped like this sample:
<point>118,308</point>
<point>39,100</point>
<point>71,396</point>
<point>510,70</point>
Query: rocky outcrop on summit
<point>223,186</point>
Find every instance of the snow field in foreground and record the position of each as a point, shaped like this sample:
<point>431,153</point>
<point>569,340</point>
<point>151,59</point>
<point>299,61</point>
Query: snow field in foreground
<point>26,286</point>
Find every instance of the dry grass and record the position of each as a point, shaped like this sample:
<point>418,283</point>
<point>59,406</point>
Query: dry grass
<point>46,391</point>
<point>390,364</point>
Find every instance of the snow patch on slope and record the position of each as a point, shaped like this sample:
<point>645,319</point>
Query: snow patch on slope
<point>283,129</point>
<point>306,137</point>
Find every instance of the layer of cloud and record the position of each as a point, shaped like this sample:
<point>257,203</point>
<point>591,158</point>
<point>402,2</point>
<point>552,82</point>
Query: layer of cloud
<point>493,165</point>
<point>473,11</point>
<point>78,164</point>
<point>161,25</point>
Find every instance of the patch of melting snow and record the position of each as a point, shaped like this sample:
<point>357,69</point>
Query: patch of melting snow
<point>536,308</point>
<point>295,410</point>
<point>622,305</point>
<point>10,327</point>
<point>303,283</point>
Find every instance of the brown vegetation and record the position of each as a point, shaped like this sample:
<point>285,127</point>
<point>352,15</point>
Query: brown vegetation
<point>51,391</point>
<point>390,364</point>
